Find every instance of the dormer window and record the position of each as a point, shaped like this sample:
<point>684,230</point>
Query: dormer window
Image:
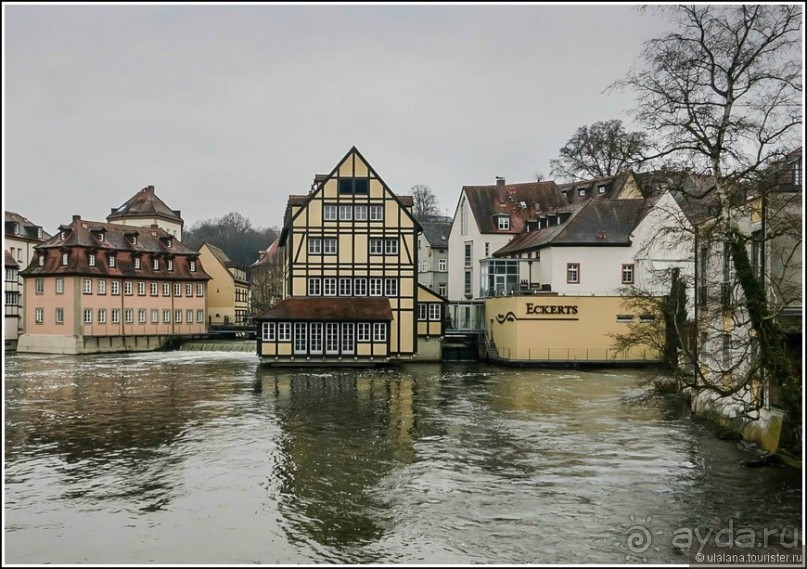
<point>65,258</point>
<point>168,243</point>
<point>101,236</point>
<point>62,234</point>
<point>601,189</point>
<point>169,265</point>
<point>155,264</point>
<point>137,262</point>
<point>193,266</point>
<point>39,233</point>
<point>16,228</point>
<point>111,261</point>
<point>504,223</point>
<point>581,192</point>
<point>41,260</point>
<point>91,259</point>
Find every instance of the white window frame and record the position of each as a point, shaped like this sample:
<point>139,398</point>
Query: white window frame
<point>360,213</point>
<point>91,259</point>
<point>166,289</point>
<point>86,286</point>
<point>155,264</point>
<point>379,332</point>
<point>142,316</point>
<point>39,315</point>
<point>128,316</point>
<point>329,286</point>
<point>360,287</point>
<point>127,288</point>
<point>154,289</point>
<point>101,286</point>
<point>189,289</point>
<point>442,265</point>
<point>284,332</point>
<point>60,285</point>
<point>141,288</point>
<point>390,246</point>
<point>200,289</point>
<point>504,223</point>
<point>155,315</point>
<point>331,338</point>
<point>178,316</point>
<point>111,261</point>
<point>435,312</point>
<point>363,332</point>
<point>300,344</point>
<point>330,212</point>
<point>166,315</point>
<point>114,288</point>
<point>116,316</point>
<point>329,246</point>
<point>60,315</point>
<point>177,289</point>
<point>268,331</point>
<point>423,312</point>
<point>376,246</point>
<point>87,316</point>
<point>200,316</point>
<point>189,315</point>
<point>347,338</point>
<point>345,212</point>
<point>376,286</point>
<point>315,333</point>
<point>315,246</point>
<point>345,286</point>
<point>376,212</point>
<point>314,286</point>
<point>390,287</point>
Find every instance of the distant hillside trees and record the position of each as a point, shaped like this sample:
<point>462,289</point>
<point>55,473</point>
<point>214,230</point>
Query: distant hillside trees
<point>232,233</point>
<point>425,202</point>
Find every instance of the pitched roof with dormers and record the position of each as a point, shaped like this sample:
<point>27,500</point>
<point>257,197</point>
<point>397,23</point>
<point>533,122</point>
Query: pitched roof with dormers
<point>595,222</point>
<point>19,227</point>
<point>516,201</point>
<point>145,203</point>
<point>82,238</point>
<point>607,186</point>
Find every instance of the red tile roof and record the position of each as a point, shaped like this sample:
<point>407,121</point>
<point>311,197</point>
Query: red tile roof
<point>517,201</point>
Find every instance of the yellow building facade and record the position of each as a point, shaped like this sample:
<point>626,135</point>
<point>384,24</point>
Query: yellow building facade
<point>228,289</point>
<point>563,328</point>
<point>351,295</point>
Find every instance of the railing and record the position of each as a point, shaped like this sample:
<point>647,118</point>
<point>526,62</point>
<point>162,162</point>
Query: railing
<point>577,354</point>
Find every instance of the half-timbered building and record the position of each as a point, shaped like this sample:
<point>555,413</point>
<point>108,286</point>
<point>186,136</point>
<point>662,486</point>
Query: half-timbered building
<point>351,295</point>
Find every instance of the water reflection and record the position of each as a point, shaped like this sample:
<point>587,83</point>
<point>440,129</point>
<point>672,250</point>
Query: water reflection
<point>211,458</point>
<point>342,433</point>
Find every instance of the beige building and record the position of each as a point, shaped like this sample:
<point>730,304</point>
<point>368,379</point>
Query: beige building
<point>102,287</point>
<point>228,289</point>
<point>351,294</point>
<point>20,238</point>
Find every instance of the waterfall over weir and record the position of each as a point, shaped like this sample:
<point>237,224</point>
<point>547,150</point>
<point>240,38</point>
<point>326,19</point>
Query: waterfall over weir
<point>219,346</point>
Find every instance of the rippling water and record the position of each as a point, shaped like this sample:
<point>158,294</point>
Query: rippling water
<point>202,457</point>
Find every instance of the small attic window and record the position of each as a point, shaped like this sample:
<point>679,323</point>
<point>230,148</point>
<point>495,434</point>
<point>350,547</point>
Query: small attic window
<point>581,192</point>
<point>359,186</point>
<point>504,223</point>
<point>39,233</point>
<point>601,189</point>
<point>41,260</point>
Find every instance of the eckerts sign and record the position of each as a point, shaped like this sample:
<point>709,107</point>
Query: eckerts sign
<point>552,309</point>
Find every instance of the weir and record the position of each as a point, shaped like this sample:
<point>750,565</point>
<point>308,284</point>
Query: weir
<point>219,346</point>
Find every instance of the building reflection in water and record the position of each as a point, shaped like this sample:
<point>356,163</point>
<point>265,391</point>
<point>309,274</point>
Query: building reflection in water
<point>343,432</point>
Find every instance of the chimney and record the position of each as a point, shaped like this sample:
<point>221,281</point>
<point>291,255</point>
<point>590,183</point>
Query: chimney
<point>148,190</point>
<point>76,218</point>
<point>500,181</point>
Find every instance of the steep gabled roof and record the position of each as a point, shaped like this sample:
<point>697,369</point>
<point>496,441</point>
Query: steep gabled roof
<point>145,203</point>
<point>517,201</point>
<point>269,255</point>
<point>218,254</point>
<point>320,180</point>
<point>436,233</point>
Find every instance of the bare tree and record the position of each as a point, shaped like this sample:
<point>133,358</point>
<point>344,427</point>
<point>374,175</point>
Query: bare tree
<point>599,150</point>
<point>722,94</point>
<point>425,202</point>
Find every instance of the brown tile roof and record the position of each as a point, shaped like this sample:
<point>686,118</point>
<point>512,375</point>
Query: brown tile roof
<point>270,255</point>
<point>10,262</point>
<point>515,200</point>
<point>329,309</point>
<point>595,222</point>
<point>144,203</point>
<point>83,237</point>
<point>407,201</point>
<point>20,227</point>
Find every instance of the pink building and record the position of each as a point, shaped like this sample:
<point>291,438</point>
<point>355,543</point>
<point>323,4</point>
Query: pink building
<point>103,287</point>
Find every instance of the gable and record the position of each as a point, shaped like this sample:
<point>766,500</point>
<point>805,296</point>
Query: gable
<point>354,180</point>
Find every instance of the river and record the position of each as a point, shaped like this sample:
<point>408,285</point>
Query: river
<point>212,458</point>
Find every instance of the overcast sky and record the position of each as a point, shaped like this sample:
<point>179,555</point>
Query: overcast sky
<point>232,108</point>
